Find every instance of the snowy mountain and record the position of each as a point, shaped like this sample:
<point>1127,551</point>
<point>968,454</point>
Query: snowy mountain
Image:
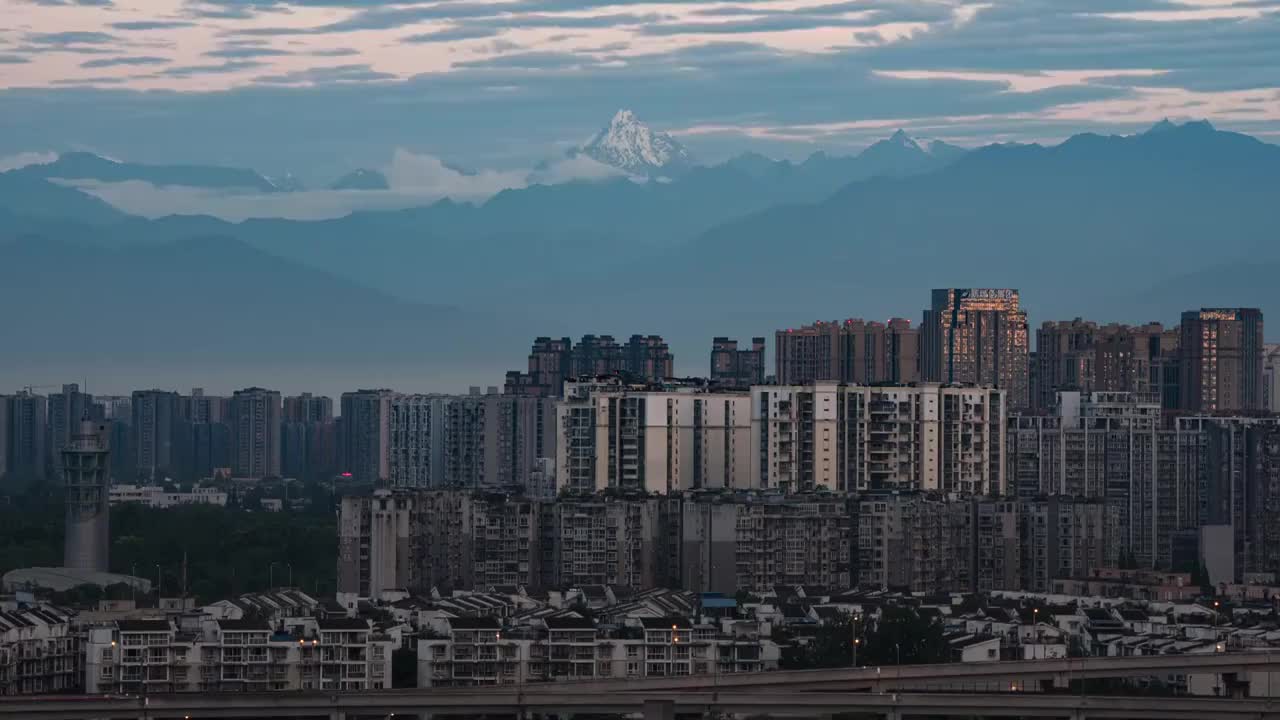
<point>632,146</point>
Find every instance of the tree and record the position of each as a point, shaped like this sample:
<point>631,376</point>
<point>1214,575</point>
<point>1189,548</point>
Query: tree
<point>900,634</point>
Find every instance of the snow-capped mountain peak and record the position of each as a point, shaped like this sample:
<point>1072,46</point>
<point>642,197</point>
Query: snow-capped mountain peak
<point>630,145</point>
<point>902,139</point>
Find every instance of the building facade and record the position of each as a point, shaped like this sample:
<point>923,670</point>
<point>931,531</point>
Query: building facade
<point>41,652</point>
<point>977,336</point>
<point>848,438</point>
<point>651,438</point>
<point>734,368</point>
<point>201,654</point>
<point>154,415</point>
<point>853,351</point>
<point>1222,363</point>
<point>255,433</point>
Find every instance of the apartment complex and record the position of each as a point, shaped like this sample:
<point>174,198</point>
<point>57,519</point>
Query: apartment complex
<point>853,351</point>
<point>848,438</point>
<point>715,543</point>
<point>200,653</point>
<point>926,542</point>
<point>734,368</point>
<point>553,362</point>
<point>977,336</point>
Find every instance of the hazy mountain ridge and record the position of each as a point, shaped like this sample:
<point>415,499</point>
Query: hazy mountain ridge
<point>1089,227</point>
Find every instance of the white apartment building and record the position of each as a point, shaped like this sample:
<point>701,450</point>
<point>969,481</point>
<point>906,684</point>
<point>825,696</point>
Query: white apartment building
<point>479,651</point>
<point>852,438</point>
<point>156,496</point>
<point>39,651</point>
<point>198,653</point>
<point>652,440</point>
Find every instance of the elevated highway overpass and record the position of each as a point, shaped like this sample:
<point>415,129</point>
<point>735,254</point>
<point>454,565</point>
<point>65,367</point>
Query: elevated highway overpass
<point>651,706</point>
<point>889,692</point>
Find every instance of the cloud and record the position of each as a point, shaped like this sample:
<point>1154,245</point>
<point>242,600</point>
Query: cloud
<point>55,3</point>
<point>332,74</point>
<point>247,51</point>
<point>576,168</point>
<point>214,69</point>
<point>416,179</point>
<point>151,25</point>
<point>459,32</point>
<point>69,37</point>
<point>14,59</point>
<point>335,52</point>
<point>23,159</point>
<point>429,175</point>
<point>124,60</point>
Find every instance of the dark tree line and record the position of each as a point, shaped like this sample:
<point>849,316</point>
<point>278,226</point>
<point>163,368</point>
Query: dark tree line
<point>898,635</point>
<point>227,551</point>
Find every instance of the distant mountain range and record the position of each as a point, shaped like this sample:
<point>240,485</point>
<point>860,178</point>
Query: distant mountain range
<point>1128,228</point>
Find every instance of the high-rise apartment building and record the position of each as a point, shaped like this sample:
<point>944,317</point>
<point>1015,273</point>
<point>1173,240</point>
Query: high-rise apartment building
<point>86,471</point>
<point>154,415</point>
<point>200,408</point>
<point>255,433</point>
<point>734,368</point>
<point>1063,537</point>
<point>26,419</point>
<point>852,438</point>
<point>4,437</point>
<point>1235,466</point>
<point>1064,360</point>
<point>1222,365</point>
<point>308,408</point>
<point>802,540</point>
<point>852,351</point>
<point>66,410</point>
<point>550,365</point>
<point>1110,447</point>
<point>1271,378</point>
<point>977,336</point>
<point>365,435</point>
<point>1083,356</point>
<point>647,357</point>
<point>914,541</point>
<point>596,355</point>
<point>479,441</point>
<point>651,438</point>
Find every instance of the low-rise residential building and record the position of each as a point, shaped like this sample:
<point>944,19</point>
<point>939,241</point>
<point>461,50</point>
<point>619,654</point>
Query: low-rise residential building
<point>567,646</point>
<point>155,496</point>
<point>40,652</point>
<point>199,653</point>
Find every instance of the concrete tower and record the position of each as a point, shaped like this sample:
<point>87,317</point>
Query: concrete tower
<point>86,468</point>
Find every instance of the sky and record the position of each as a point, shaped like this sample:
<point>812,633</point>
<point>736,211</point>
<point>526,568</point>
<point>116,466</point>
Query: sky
<point>319,87</point>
